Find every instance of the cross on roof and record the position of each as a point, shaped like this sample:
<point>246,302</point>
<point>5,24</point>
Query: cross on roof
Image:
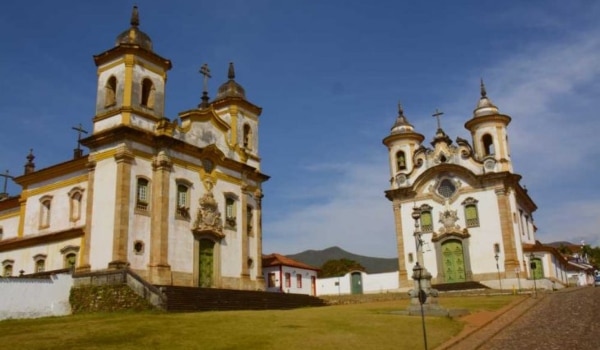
<point>205,71</point>
<point>79,130</point>
<point>437,116</point>
<point>6,177</point>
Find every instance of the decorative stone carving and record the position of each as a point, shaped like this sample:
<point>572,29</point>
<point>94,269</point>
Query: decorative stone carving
<point>208,218</point>
<point>448,218</point>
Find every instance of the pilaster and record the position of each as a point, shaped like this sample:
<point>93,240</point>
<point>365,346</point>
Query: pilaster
<point>84,258</point>
<point>124,157</point>
<point>159,269</point>
<point>403,275</point>
<point>508,237</point>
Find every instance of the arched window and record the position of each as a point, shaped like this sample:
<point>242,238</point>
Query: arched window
<point>70,260</point>
<point>69,256</point>
<point>488,144</point>
<point>400,160</point>
<point>7,267</point>
<point>110,92</point>
<point>183,201</point>
<point>45,206</point>
<point>230,212</point>
<point>143,194</point>
<point>247,142</point>
<point>471,213</point>
<point>426,218</point>
<point>40,262</point>
<point>75,197</point>
<point>148,92</point>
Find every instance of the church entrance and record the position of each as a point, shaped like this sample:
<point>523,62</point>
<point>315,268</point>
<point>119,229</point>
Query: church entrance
<point>205,268</point>
<point>453,262</point>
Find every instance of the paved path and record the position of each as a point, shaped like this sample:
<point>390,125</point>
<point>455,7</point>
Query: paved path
<point>568,319</point>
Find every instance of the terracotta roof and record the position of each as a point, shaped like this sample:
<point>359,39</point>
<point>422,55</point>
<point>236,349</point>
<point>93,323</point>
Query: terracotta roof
<point>281,260</point>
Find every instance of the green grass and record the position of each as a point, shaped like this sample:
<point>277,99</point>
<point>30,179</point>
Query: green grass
<point>357,326</point>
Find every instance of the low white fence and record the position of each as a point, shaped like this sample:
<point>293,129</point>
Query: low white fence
<point>35,297</point>
<point>370,283</point>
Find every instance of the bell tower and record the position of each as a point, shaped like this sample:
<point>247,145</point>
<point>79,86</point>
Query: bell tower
<point>402,143</point>
<point>490,137</point>
<point>131,81</point>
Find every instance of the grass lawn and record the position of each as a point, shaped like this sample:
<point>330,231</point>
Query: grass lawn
<point>356,326</point>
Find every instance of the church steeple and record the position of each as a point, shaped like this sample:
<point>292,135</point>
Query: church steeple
<point>131,79</point>
<point>490,137</point>
<point>402,143</point>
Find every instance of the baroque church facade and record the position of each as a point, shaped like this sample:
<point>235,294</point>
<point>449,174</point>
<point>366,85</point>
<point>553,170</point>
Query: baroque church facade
<point>178,202</point>
<point>459,207</point>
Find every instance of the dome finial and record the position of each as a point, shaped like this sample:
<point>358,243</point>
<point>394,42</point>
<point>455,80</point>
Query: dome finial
<point>400,110</point>
<point>231,71</point>
<point>483,92</point>
<point>135,17</point>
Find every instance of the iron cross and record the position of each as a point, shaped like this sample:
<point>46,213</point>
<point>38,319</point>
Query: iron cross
<point>205,71</point>
<point>437,116</point>
<point>6,177</point>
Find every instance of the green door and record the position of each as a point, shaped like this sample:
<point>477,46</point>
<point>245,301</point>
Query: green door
<point>538,271</point>
<point>205,268</point>
<point>356,283</point>
<point>453,263</point>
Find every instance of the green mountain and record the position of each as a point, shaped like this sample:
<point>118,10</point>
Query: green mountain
<point>317,258</point>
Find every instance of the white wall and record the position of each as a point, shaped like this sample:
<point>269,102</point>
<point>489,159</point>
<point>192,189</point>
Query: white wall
<point>32,297</point>
<point>371,283</point>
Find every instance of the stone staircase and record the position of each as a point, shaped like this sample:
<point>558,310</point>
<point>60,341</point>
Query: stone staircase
<point>189,299</point>
<point>469,285</point>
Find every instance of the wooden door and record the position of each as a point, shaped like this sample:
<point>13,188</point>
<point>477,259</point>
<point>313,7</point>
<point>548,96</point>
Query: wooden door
<point>453,263</point>
<point>206,263</point>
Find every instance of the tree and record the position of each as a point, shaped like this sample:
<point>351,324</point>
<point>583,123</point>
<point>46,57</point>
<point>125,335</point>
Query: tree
<point>592,254</point>
<point>340,267</point>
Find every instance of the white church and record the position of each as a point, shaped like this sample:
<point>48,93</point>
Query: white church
<point>460,209</point>
<point>177,201</point>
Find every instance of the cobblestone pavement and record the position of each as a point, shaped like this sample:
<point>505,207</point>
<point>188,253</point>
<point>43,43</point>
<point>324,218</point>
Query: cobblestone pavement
<point>567,319</point>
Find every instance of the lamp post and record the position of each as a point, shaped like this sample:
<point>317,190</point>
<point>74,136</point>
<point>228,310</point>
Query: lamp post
<point>532,265</point>
<point>418,274</point>
<point>497,256</point>
<point>416,215</point>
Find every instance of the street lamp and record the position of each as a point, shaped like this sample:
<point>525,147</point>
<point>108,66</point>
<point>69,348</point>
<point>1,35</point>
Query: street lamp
<point>497,256</point>
<point>532,265</point>
<point>417,275</point>
<point>416,215</point>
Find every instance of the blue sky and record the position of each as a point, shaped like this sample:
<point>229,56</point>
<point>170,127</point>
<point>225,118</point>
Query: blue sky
<point>329,75</point>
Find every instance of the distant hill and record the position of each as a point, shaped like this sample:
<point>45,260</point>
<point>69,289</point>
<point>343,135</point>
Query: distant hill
<point>317,258</point>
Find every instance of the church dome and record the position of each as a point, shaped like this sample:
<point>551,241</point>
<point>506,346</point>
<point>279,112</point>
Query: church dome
<point>401,125</point>
<point>134,36</point>
<point>484,106</point>
<point>231,88</point>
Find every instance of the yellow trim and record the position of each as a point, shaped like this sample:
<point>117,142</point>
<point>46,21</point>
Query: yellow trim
<point>23,202</point>
<point>128,83</point>
<point>56,185</point>
<point>233,112</point>
<point>111,65</point>
<point>9,215</point>
<point>97,157</point>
